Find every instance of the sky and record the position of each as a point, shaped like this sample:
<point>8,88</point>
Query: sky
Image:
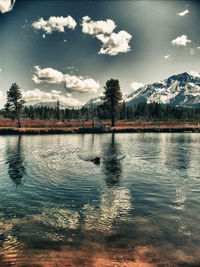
<point>67,50</point>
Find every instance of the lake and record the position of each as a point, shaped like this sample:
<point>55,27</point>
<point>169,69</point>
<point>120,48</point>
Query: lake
<point>138,207</point>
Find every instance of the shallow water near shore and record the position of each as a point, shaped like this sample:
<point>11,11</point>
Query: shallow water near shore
<point>138,207</point>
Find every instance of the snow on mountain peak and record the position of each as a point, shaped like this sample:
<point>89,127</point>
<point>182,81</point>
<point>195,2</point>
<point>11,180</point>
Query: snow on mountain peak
<point>194,73</point>
<point>179,89</point>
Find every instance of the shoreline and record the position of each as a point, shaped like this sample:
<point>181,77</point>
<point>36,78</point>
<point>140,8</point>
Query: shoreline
<point>90,130</point>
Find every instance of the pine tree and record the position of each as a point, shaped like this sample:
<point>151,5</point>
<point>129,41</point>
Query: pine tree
<point>15,103</point>
<point>58,110</point>
<point>112,97</point>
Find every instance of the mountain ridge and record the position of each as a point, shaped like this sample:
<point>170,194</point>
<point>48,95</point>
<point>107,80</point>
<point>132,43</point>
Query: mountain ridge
<point>179,90</point>
<point>51,105</point>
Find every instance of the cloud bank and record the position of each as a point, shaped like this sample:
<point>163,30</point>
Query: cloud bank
<point>181,41</point>
<point>112,43</point>
<point>54,24</point>
<point>35,96</point>
<point>71,82</point>
<point>6,5</point>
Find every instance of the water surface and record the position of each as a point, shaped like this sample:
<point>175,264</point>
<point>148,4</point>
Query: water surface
<point>139,206</point>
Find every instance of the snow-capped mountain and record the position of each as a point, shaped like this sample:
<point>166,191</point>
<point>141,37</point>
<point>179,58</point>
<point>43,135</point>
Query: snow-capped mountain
<point>51,105</point>
<point>179,90</point>
<point>94,102</point>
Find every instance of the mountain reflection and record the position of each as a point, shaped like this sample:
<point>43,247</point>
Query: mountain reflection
<point>16,168</point>
<point>111,163</point>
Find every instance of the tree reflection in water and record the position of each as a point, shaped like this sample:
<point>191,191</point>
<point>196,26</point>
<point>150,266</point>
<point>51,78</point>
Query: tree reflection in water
<point>111,164</point>
<point>114,199</point>
<point>16,169</point>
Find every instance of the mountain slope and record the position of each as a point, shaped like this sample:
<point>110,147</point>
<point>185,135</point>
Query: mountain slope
<point>93,102</point>
<point>179,90</point>
<point>51,105</point>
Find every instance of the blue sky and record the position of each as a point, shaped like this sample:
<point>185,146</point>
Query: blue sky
<point>68,49</point>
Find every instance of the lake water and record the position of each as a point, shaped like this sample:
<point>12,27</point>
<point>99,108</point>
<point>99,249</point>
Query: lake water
<point>138,207</point>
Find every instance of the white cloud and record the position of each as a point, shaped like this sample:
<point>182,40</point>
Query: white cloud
<point>181,41</point>
<point>115,43</point>
<point>198,47</point>
<point>167,56</point>
<point>47,75</point>
<point>79,84</point>
<point>136,85</point>
<point>183,13</point>
<point>192,51</point>
<point>95,27</point>
<point>35,96</point>
<point>6,5</point>
<point>71,82</point>
<point>54,24</point>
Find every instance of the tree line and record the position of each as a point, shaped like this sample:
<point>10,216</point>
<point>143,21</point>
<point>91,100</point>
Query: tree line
<point>144,111</point>
<point>111,109</point>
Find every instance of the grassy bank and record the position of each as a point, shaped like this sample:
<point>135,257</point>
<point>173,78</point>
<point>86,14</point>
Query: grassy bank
<point>121,127</point>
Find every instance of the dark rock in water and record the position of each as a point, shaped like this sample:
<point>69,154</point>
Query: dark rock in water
<point>96,160</point>
<point>2,237</point>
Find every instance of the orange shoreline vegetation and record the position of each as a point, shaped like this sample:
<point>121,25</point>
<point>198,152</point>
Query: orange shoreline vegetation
<point>98,256</point>
<point>60,127</point>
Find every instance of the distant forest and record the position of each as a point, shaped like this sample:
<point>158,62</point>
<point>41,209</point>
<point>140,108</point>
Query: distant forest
<point>141,111</point>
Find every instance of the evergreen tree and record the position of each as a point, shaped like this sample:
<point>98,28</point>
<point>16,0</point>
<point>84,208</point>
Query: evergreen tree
<point>14,105</point>
<point>58,110</point>
<point>112,97</point>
